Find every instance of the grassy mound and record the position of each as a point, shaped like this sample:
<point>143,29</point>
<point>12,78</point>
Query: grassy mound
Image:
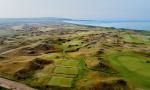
<point>34,65</point>
<point>116,84</point>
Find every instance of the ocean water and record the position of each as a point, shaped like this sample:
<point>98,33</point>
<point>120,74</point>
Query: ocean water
<point>130,24</point>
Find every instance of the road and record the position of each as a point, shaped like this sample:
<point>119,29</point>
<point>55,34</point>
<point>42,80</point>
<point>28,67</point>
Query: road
<point>14,85</point>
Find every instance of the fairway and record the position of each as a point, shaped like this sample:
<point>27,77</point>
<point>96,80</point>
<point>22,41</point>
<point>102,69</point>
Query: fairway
<point>135,39</point>
<point>132,38</point>
<point>66,70</point>
<point>68,63</point>
<point>133,67</point>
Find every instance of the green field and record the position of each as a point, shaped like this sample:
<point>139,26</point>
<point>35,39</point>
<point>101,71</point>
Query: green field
<point>64,73</point>
<point>73,45</point>
<point>68,63</point>
<point>135,39</point>
<point>60,81</point>
<point>133,67</point>
<point>132,38</point>
<point>66,70</point>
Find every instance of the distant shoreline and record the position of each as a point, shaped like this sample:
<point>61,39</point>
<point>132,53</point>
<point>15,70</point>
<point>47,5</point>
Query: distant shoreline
<point>104,24</point>
<point>122,24</point>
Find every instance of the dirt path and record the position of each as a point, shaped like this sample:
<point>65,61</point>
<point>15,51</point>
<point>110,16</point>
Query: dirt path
<point>14,85</point>
<point>11,50</point>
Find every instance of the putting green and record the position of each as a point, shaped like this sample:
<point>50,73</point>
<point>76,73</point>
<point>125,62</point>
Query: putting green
<point>65,70</point>
<point>133,67</point>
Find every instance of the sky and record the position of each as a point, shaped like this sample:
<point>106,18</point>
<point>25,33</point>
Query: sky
<point>91,9</point>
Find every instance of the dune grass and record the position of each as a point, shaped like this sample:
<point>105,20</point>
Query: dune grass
<point>60,81</point>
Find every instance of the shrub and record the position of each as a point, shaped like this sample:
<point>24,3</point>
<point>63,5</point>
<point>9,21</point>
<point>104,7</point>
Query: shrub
<point>101,51</point>
<point>39,63</point>
<point>147,61</point>
<point>23,74</point>
<point>2,57</point>
<point>43,61</point>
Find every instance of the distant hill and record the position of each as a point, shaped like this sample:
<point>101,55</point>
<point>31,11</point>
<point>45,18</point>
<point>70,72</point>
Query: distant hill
<point>41,20</point>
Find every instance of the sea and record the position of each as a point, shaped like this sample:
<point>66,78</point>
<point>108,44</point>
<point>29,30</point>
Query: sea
<point>133,24</point>
<point>123,24</point>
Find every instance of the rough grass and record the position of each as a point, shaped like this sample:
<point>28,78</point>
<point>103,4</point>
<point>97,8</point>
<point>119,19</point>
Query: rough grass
<point>114,84</point>
<point>51,55</point>
<point>60,81</point>
<point>73,45</point>
<point>133,67</point>
<point>73,42</point>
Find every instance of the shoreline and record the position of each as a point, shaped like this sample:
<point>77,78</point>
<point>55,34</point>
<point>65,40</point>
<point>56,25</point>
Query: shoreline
<point>68,22</point>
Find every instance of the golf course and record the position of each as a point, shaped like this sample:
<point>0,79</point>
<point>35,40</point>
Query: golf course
<point>76,57</point>
<point>133,67</point>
